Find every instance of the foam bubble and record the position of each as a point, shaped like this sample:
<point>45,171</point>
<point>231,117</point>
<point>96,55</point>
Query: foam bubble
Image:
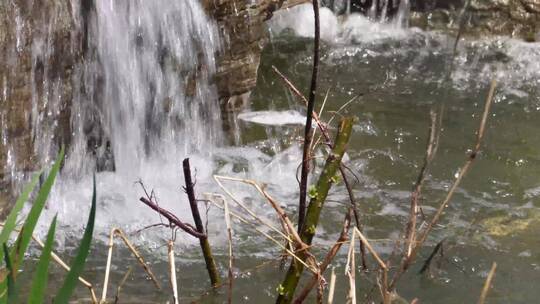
<point>300,20</point>
<point>274,118</point>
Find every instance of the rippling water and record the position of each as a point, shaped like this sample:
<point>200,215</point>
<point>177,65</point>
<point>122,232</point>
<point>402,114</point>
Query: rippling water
<point>394,77</point>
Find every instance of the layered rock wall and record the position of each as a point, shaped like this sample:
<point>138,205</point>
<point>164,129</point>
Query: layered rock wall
<point>36,65</point>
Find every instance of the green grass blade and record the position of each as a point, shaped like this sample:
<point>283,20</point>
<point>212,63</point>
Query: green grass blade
<point>31,220</point>
<point>11,221</point>
<point>39,283</point>
<point>11,288</point>
<point>78,264</point>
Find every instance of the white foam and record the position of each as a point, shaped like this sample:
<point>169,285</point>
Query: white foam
<point>273,118</point>
<point>334,29</point>
<point>515,63</point>
<point>300,20</point>
<point>118,196</point>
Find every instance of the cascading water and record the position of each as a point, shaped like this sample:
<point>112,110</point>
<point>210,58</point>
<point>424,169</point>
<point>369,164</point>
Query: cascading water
<point>341,24</point>
<point>146,101</point>
<point>150,82</point>
<point>142,99</point>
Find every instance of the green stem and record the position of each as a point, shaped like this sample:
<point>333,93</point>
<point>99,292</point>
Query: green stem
<point>331,167</point>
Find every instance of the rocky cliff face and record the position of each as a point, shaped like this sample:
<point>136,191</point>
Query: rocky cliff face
<point>244,34</point>
<point>36,65</point>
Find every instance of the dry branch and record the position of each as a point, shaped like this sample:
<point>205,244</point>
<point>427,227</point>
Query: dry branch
<point>172,218</point>
<point>121,284</point>
<point>256,227</point>
<point>487,284</point>
<point>408,259</point>
<point>116,232</point>
<point>431,149</point>
<point>332,287</point>
<point>205,245</point>
<point>308,132</point>
<point>350,272</point>
<point>286,222</point>
<point>172,271</point>
<point>231,256</point>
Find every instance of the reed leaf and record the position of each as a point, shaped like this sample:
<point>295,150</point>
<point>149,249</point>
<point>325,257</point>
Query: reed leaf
<point>39,282</point>
<point>11,287</point>
<point>31,220</point>
<point>78,263</point>
<point>11,221</point>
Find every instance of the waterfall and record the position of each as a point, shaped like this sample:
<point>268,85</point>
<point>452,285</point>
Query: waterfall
<point>127,86</point>
<point>146,86</point>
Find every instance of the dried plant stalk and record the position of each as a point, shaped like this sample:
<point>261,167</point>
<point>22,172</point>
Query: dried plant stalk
<point>487,284</point>
<point>343,238</point>
<point>409,258</point>
<point>172,271</point>
<point>203,241</point>
<point>431,149</point>
<point>121,284</point>
<point>332,286</point>
<point>256,227</point>
<point>350,272</point>
<point>117,232</point>
<point>231,257</point>
<point>289,227</point>
<point>308,132</point>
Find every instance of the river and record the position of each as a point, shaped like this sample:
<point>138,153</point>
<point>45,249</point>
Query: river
<point>390,78</point>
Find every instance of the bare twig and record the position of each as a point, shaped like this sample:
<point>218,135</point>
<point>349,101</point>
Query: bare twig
<point>173,219</point>
<point>408,259</point>
<point>437,248</point>
<point>350,272</point>
<point>308,132</point>
<point>256,227</point>
<point>205,245</point>
<point>383,266</point>
<point>431,149</point>
<point>172,270</point>
<point>370,249</point>
<point>121,284</point>
<point>355,212</point>
<point>116,232</point>
<point>487,284</point>
<point>288,225</point>
<point>231,257</point>
<point>218,179</point>
<point>332,287</point>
